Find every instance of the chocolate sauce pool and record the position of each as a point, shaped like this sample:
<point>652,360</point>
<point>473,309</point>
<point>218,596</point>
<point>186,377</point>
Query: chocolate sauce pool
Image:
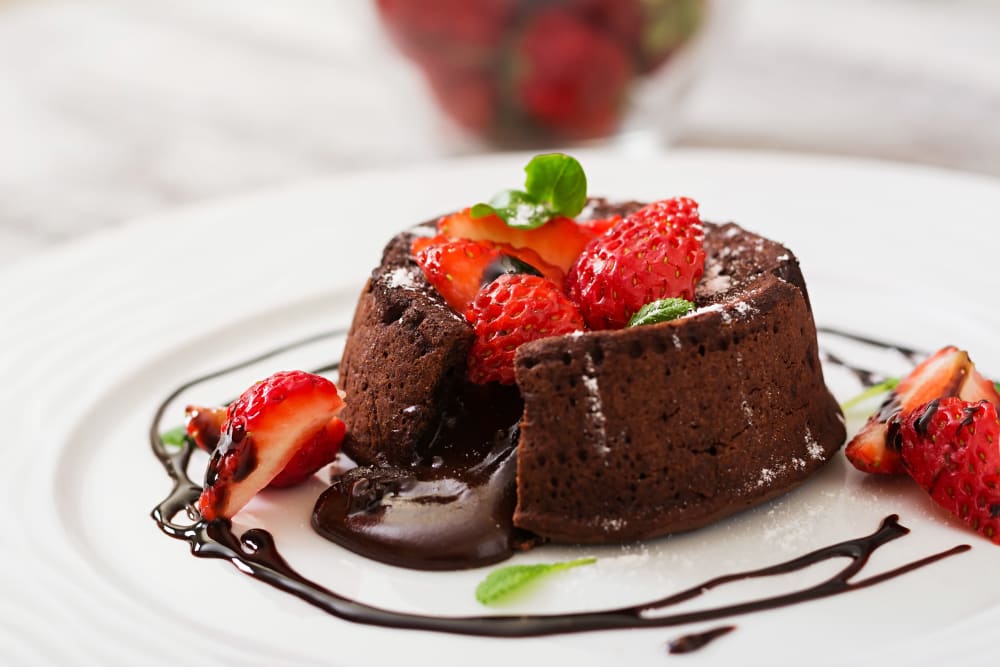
<point>452,509</point>
<point>255,553</point>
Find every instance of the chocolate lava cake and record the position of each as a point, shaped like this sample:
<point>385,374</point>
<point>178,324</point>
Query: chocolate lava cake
<point>624,434</point>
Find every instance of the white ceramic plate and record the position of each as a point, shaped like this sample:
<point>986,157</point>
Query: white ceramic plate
<point>93,336</point>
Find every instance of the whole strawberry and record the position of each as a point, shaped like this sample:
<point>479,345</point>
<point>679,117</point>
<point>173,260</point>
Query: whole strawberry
<point>512,310</point>
<point>568,77</point>
<point>951,448</point>
<point>655,253</point>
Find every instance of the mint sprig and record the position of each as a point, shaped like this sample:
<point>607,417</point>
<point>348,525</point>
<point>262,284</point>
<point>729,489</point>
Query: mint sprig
<point>662,310</point>
<point>555,185</point>
<point>501,583</point>
<point>996,385</point>
<point>871,392</point>
<point>175,437</point>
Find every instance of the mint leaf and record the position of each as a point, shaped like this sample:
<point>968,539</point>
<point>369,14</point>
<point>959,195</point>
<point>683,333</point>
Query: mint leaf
<point>506,580</point>
<point>558,180</point>
<point>175,437</point>
<point>518,209</point>
<point>663,310</point>
<point>481,210</point>
<point>996,385</point>
<point>870,392</point>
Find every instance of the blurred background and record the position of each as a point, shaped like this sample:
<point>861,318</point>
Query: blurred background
<point>112,109</point>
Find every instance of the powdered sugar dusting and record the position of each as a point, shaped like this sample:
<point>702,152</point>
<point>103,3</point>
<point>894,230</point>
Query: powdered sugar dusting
<point>612,525</point>
<point>815,450</point>
<point>595,408</point>
<point>403,277</point>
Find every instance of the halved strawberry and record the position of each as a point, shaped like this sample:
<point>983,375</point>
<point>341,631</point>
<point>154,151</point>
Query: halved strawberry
<point>204,425</point>
<point>951,448</point>
<point>264,428</point>
<point>459,268</point>
<point>312,456</point>
<point>948,372</point>
<point>559,241</point>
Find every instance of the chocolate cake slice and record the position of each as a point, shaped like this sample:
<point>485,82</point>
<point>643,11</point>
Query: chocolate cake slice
<point>625,434</point>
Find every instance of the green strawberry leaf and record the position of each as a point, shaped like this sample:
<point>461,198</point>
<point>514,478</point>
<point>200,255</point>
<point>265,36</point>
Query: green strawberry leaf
<point>663,310</point>
<point>518,209</point>
<point>871,392</point>
<point>501,583</point>
<point>996,385</point>
<point>175,437</point>
<point>559,181</point>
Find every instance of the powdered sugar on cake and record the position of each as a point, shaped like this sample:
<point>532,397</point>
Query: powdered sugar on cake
<point>595,408</point>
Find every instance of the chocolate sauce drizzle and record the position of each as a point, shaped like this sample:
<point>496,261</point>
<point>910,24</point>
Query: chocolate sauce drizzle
<point>698,640</point>
<point>254,553</point>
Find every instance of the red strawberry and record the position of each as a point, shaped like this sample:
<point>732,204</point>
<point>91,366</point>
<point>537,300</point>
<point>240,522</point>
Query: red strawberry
<point>459,268</point>
<point>951,448</point>
<point>559,241</point>
<point>264,428</point>
<point>601,225</point>
<point>448,32</point>
<point>655,253</point>
<point>948,372</point>
<point>512,310</point>
<point>204,425</point>
<point>569,77</point>
<point>468,95</point>
<point>312,456</point>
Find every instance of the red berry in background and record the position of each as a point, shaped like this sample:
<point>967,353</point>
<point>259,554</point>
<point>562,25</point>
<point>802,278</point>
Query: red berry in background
<point>468,96</point>
<point>569,77</point>
<point>449,33</point>
<point>621,19</point>
<point>654,253</point>
<point>512,310</point>
<point>951,448</point>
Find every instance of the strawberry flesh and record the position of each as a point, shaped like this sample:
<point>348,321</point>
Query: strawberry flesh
<point>558,242</point>
<point>951,448</point>
<point>264,429</point>
<point>321,450</point>
<point>941,375</point>
<point>459,268</point>
<point>204,425</point>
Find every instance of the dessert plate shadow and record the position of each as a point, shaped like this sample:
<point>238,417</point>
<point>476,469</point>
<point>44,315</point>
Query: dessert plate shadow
<point>96,334</point>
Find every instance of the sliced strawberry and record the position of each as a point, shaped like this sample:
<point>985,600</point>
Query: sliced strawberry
<point>943,374</point>
<point>312,456</point>
<point>204,425</point>
<point>558,242</point>
<point>264,429</point>
<point>977,388</point>
<point>951,448</point>
<point>459,268</point>
<point>601,225</point>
